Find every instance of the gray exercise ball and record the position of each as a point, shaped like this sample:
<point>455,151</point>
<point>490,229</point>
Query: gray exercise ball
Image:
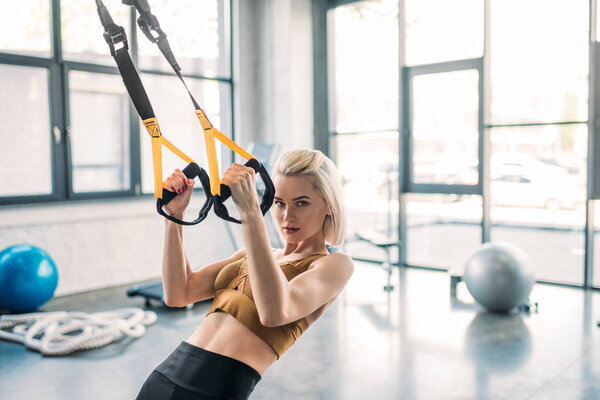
<point>499,276</point>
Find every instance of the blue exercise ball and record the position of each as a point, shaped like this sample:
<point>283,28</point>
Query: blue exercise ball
<point>28,278</point>
<point>499,276</point>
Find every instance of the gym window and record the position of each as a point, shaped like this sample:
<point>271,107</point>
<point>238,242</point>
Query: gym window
<point>474,121</point>
<point>70,130</point>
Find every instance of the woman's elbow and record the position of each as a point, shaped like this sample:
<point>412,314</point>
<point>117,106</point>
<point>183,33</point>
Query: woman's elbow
<point>271,321</point>
<point>174,302</point>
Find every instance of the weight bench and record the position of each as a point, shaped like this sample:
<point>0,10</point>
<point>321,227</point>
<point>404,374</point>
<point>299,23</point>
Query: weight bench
<point>386,244</point>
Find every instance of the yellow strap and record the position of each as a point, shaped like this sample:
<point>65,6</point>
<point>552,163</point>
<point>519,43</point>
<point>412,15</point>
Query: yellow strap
<point>153,129</point>
<point>175,150</point>
<point>213,165</point>
<point>210,134</point>
<point>157,165</point>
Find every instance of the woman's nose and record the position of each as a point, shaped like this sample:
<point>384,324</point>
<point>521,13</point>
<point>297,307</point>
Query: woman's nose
<point>288,216</point>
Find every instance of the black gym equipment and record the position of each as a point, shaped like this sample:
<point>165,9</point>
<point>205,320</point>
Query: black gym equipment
<point>216,193</point>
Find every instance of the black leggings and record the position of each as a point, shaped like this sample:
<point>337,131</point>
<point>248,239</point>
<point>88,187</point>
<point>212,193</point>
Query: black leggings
<point>191,372</point>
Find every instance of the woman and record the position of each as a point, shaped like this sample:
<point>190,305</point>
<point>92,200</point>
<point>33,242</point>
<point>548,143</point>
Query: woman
<point>249,327</point>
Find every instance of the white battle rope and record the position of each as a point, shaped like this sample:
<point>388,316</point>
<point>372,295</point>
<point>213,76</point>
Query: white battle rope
<point>59,333</point>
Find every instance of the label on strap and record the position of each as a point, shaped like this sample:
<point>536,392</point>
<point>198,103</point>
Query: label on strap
<point>152,127</point>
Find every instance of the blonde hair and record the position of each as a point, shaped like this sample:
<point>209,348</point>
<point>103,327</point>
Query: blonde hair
<point>325,178</point>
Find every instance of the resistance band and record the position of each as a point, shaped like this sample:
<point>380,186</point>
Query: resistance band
<point>216,193</point>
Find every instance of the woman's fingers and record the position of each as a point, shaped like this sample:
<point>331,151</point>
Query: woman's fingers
<point>183,182</point>
<point>178,182</point>
<point>179,178</point>
<point>240,167</point>
<point>173,184</point>
<point>168,184</point>
<point>239,177</point>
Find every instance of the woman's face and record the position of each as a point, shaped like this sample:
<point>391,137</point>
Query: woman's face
<point>298,208</point>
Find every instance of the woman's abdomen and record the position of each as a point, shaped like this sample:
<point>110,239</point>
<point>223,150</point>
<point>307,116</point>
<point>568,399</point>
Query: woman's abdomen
<point>223,334</point>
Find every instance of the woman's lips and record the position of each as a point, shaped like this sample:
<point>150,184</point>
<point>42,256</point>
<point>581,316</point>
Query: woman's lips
<point>291,230</point>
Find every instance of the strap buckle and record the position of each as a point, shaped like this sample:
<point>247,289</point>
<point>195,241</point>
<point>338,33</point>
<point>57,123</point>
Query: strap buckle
<point>149,23</point>
<point>115,37</point>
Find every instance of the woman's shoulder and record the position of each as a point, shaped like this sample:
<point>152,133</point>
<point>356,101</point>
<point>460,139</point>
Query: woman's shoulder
<point>335,260</point>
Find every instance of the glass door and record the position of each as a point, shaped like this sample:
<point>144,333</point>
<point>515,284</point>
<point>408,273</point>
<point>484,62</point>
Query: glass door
<point>443,185</point>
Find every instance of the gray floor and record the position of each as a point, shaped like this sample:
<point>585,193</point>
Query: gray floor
<point>416,343</point>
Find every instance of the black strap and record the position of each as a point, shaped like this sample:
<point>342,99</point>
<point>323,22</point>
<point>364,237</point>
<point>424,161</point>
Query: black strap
<point>149,24</point>
<point>191,171</point>
<point>115,36</point>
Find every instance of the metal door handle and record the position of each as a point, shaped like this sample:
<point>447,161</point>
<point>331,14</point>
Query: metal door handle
<point>57,135</point>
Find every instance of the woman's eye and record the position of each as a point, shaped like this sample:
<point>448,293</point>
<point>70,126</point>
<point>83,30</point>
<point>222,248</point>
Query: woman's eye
<point>300,203</point>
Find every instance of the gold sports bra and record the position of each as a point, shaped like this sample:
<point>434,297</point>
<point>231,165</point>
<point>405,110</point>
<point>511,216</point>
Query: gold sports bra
<point>233,295</point>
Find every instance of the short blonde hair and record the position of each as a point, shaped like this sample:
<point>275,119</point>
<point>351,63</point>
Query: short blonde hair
<point>325,178</point>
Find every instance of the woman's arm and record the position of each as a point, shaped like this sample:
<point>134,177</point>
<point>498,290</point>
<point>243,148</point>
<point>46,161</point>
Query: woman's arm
<point>181,285</point>
<point>270,287</point>
<point>175,267</point>
<point>278,301</point>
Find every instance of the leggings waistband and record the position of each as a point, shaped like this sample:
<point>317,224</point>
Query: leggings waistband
<point>209,373</point>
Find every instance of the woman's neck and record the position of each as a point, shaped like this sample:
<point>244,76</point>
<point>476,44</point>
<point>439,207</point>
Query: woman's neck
<point>291,249</point>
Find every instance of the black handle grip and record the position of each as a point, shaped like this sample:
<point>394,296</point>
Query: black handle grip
<point>226,192</point>
<point>191,171</point>
<point>267,198</point>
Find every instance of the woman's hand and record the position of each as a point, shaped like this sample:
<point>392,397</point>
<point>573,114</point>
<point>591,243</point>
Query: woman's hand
<point>178,183</point>
<point>241,181</point>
